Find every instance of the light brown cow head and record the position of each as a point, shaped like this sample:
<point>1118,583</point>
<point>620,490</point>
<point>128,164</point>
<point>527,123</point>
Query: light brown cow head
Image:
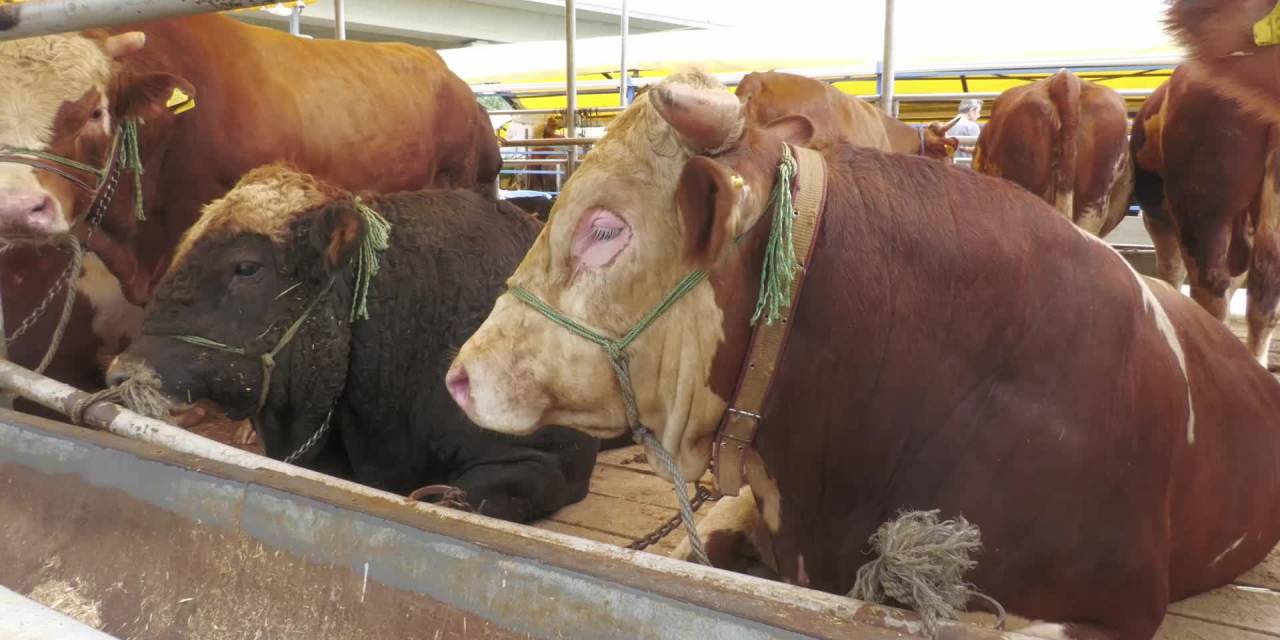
<point>617,242</point>
<point>65,95</point>
<point>936,143</point>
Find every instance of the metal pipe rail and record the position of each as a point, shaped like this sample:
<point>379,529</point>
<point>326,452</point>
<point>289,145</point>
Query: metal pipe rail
<point>45,17</point>
<point>550,142</point>
<point>517,162</point>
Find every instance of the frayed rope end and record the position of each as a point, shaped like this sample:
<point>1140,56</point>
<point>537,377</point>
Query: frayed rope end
<point>377,238</point>
<point>921,564</point>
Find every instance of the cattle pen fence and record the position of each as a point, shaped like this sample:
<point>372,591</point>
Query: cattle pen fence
<point>555,157</point>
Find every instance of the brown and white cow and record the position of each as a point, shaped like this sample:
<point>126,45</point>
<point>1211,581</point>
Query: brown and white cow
<point>1220,38</point>
<point>1206,180</point>
<point>382,117</point>
<point>1066,141</point>
<point>1098,439</point>
<point>839,117</point>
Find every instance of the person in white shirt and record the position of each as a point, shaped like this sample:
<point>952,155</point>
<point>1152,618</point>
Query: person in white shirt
<point>967,125</point>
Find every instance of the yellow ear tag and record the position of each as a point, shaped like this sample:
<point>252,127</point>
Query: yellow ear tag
<point>736,181</point>
<point>1266,32</point>
<point>180,102</point>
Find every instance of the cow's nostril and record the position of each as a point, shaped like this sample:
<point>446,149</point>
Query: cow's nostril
<point>116,376</point>
<point>459,384</point>
<point>44,207</point>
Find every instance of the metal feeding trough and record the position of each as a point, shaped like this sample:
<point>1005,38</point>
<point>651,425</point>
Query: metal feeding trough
<point>171,535</point>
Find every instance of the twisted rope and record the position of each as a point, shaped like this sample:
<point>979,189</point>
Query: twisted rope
<point>140,393</point>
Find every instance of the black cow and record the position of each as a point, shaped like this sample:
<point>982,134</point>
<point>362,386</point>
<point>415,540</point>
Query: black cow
<point>278,264</point>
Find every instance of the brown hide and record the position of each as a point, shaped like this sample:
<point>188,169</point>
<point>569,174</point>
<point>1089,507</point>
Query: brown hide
<point>1066,141</point>
<point>1095,508</point>
<point>837,116</point>
<point>1209,155</point>
<point>378,117</point>
<point>1220,40</point>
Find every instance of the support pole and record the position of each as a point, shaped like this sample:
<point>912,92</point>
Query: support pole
<point>295,21</point>
<point>571,85</point>
<point>887,74</point>
<point>44,17</point>
<point>340,19</point>
<point>624,98</point>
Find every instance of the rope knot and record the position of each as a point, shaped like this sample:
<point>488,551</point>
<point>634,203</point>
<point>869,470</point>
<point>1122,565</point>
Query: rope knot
<point>921,565</point>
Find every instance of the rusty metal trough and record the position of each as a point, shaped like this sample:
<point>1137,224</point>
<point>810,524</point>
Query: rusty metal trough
<point>137,540</point>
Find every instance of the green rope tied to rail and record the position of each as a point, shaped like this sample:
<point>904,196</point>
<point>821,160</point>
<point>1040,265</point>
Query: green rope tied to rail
<point>376,239</point>
<point>779,271</point>
<point>131,161</point>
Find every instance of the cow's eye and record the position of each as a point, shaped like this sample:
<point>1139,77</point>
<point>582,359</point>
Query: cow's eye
<point>98,114</point>
<point>246,269</point>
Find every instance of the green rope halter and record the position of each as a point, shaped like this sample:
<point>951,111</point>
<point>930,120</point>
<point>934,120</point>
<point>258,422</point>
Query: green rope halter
<point>367,264</point>
<point>776,279</point>
<point>266,358</point>
<point>124,149</point>
<point>375,241</point>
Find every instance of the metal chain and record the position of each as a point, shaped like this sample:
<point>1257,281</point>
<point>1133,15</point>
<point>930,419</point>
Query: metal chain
<point>312,441</point>
<point>700,497</point>
<point>101,203</point>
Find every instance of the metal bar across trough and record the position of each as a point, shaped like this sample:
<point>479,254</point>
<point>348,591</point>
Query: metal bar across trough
<point>154,541</point>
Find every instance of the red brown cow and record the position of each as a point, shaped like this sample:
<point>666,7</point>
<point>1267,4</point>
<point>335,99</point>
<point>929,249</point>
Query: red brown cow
<point>381,117</point>
<point>1100,498</point>
<point>1224,50</point>
<point>1065,141</point>
<point>838,116</point>
<point>1207,185</point>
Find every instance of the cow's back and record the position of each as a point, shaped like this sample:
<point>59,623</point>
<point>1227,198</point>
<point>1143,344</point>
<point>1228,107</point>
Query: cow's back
<point>361,116</point>
<point>837,117</point>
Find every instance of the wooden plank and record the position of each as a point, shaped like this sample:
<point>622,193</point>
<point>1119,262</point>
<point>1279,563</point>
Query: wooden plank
<point>623,483</point>
<point>1177,627</point>
<point>614,516</point>
<point>1247,608</point>
<point>1266,575</point>
<point>631,458</point>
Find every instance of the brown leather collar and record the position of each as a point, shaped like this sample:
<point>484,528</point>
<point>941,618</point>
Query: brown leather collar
<point>737,430</point>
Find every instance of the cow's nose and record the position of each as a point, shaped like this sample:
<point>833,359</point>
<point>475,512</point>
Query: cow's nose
<point>29,213</point>
<point>116,374</point>
<point>459,384</point>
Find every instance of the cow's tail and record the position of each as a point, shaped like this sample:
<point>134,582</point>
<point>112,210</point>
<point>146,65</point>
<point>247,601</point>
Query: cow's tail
<point>1064,91</point>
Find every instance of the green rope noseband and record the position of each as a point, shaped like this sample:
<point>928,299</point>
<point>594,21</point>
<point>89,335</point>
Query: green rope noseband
<point>266,358</point>
<point>776,279</point>
<point>124,150</point>
<point>367,264</point>
<point>375,241</point>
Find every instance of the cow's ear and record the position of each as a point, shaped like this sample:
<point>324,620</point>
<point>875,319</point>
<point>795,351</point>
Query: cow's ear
<point>336,232</point>
<point>796,130</point>
<point>710,197</point>
<point>150,96</point>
